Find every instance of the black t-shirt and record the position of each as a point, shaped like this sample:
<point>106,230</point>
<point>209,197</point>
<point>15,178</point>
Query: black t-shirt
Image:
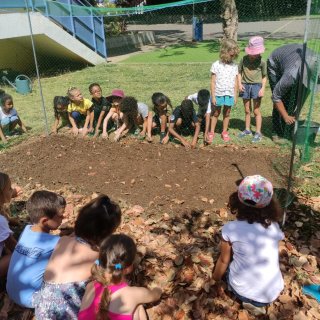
<point>101,105</point>
<point>178,114</point>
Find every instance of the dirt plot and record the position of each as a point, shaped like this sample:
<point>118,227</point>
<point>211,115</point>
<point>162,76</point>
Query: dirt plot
<point>151,175</point>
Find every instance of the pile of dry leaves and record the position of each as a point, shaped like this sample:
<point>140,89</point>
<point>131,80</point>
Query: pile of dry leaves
<point>178,254</point>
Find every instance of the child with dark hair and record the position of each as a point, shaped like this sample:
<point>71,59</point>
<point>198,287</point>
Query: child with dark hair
<point>133,114</point>
<point>9,117</point>
<point>35,246</point>
<point>101,106</point>
<point>114,112</point>
<point>80,112</point>
<point>162,107</point>
<point>109,296</point>
<point>250,245</point>
<point>60,108</point>
<point>185,121</point>
<point>69,267</point>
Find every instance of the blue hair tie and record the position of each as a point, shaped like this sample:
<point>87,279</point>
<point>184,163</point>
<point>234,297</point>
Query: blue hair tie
<point>118,266</point>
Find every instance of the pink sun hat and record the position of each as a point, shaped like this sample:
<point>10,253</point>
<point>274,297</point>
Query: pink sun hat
<point>255,191</point>
<point>255,46</point>
<point>116,93</point>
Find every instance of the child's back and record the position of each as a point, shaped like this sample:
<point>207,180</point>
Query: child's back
<point>35,246</point>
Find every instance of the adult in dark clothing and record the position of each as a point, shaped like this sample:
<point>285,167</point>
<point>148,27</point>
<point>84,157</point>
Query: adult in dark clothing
<point>284,72</point>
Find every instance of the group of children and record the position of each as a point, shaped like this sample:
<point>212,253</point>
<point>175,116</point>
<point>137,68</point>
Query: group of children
<point>83,275</point>
<point>125,114</point>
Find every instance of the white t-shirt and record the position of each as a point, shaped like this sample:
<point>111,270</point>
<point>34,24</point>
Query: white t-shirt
<point>143,109</point>
<point>254,271</point>
<point>5,232</point>
<point>12,112</point>
<point>225,78</point>
<point>194,99</point>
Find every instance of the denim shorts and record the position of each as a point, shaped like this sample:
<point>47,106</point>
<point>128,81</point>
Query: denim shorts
<point>7,120</point>
<point>251,91</point>
<point>224,101</point>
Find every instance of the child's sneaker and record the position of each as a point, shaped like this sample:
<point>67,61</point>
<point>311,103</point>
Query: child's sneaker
<point>244,133</point>
<point>225,136</point>
<point>210,136</point>
<point>256,311</point>
<point>256,138</point>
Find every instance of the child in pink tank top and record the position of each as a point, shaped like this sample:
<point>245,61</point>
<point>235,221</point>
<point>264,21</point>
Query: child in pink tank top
<point>108,296</point>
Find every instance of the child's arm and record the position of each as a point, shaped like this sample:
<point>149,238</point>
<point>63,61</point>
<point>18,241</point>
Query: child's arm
<point>163,127</point>
<point>22,126</point>
<point>105,122</point>
<point>241,86</point>
<point>91,120</point>
<point>236,89</point>
<point>176,135</point>
<point>223,261</point>
<point>85,129</point>
<point>149,126</point>
<point>55,125</point>
<point>10,242</point>
<point>73,123</point>
<point>123,129</point>
<point>142,295</point>
<point>264,82</point>
<point>213,88</point>
<point>196,135</point>
<point>2,136</point>
<point>207,127</point>
<point>99,123</point>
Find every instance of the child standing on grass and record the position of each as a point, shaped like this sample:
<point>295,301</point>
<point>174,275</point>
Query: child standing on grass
<point>69,267</point>
<point>35,246</point>
<point>114,112</point>
<point>9,117</point>
<point>224,73</point>
<point>252,82</point>
<point>185,121</point>
<point>60,108</point>
<point>80,112</point>
<point>250,245</point>
<point>109,296</point>
<point>101,106</point>
<point>7,241</point>
<point>162,107</point>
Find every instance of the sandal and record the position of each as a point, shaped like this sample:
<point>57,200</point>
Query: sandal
<point>210,136</point>
<point>225,136</point>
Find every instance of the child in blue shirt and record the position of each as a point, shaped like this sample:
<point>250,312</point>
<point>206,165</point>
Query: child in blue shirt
<point>35,246</point>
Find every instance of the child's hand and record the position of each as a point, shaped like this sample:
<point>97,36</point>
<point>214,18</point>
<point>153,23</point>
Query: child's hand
<point>116,137</point>
<point>96,134</point>
<point>149,138</point>
<point>54,131</point>
<point>75,131</point>
<point>84,132</point>
<point>193,145</point>
<point>241,87</point>
<point>165,140</point>
<point>261,93</point>
<point>213,100</point>
<point>186,144</point>
<point>90,129</point>
<point>16,191</point>
<point>105,136</point>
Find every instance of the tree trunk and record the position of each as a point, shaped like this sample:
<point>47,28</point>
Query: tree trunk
<point>230,19</point>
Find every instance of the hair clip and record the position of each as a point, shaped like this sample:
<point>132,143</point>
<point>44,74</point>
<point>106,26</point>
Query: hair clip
<point>118,266</point>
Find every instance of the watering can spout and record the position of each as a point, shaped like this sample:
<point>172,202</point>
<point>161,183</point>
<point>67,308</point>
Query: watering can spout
<point>5,79</point>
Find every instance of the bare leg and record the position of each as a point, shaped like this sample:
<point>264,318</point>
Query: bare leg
<point>257,114</point>
<point>214,119</point>
<point>247,110</point>
<point>140,313</point>
<point>226,118</point>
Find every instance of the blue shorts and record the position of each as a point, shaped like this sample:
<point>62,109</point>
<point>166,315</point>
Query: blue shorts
<point>227,101</point>
<point>251,91</point>
<point>7,120</point>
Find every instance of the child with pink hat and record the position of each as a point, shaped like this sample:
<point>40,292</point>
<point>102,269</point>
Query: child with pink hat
<point>250,246</point>
<point>252,82</point>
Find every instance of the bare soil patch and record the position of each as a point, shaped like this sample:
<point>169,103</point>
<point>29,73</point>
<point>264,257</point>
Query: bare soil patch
<point>151,175</point>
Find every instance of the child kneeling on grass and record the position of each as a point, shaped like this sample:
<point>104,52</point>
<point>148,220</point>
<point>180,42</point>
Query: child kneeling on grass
<point>69,268</point>
<point>60,108</point>
<point>35,246</point>
<point>185,121</point>
<point>250,246</point>
<point>109,296</point>
<point>9,118</point>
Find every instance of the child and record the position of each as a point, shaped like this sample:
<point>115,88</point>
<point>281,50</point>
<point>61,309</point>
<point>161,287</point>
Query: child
<point>184,118</point>
<point>203,100</point>
<point>249,246</point>
<point>35,246</point>
<point>7,240</point>
<point>101,106</point>
<point>133,114</point>
<point>224,74</point>
<point>109,296</point>
<point>114,113</point>
<point>252,82</point>
<point>79,111</point>
<point>68,270</point>
<point>60,106</point>
<point>9,117</point>
<point>160,119</point>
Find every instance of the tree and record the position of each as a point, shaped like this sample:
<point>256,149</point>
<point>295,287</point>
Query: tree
<point>230,19</point>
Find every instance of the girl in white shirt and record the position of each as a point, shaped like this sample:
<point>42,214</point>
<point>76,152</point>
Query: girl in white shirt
<point>224,75</point>
<point>250,245</point>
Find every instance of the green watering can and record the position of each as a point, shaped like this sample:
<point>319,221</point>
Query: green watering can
<point>22,83</point>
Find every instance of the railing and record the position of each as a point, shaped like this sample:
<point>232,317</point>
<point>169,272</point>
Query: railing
<point>87,27</point>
